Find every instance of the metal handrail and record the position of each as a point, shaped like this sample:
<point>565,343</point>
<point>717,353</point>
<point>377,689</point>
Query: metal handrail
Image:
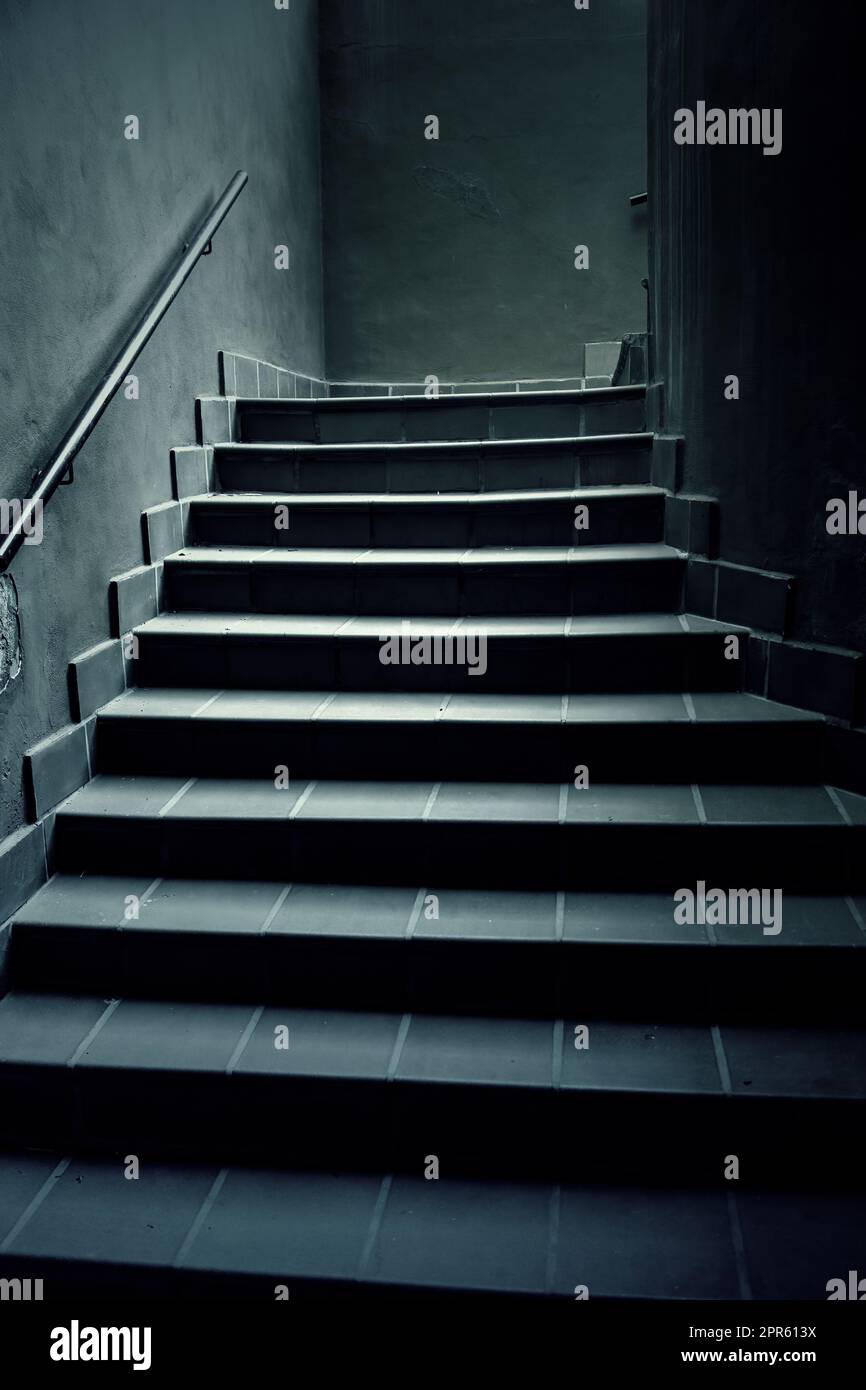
<point>51,476</point>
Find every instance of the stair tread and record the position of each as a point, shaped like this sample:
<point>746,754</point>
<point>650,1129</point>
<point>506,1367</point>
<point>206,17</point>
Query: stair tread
<point>254,625</point>
<point>461,1234</point>
<point>635,1056</point>
<point>160,1035</point>
<point>387,706</point>
<point>143,1007</point>
<point>209,907</point>
<point>527,803</point>
<point>630,391</point>
<point>170,1014</point>
<point>636,439</point>
<point>226,556</point>
<point>494,497</point>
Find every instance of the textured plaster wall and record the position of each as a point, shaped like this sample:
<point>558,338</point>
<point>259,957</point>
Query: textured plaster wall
<point>455,256</point>
<point>755,272</point>
<point>88,220</point>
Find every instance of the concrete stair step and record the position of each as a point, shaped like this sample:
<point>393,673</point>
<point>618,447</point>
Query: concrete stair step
<point>447,581</point>
<point>529,654</point>
<point>516,834</point>
<point>495,415</point>
<point>488,1096</point>
<point>435,948</point>
<point>201,1231</point>
<point>665,738</point>
<point>449,466</point>
<point>615,515</point>
<point>392,932</point>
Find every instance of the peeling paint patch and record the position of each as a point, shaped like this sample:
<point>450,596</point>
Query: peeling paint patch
<point>464,190</point>
<point>10,633</point>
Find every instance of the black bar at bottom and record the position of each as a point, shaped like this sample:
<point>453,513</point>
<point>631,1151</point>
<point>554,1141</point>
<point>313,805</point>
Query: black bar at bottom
<point>197,1336</point>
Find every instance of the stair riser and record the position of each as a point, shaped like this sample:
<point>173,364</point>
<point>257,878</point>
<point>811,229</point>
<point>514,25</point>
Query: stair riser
<point>612,521</point>
<point>476,751</point>
<point>586,589</point>
<point>493,470</point>
<point>473,1129</point>
<point>759,983</point>
<point>445,418</point>
<point>589,665</point>
<point>643,856</point>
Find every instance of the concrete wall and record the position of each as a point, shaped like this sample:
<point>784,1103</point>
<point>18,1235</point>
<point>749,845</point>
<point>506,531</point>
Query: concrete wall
<point>756,270</point>
<point>88,220</point>
<point>456,256</point>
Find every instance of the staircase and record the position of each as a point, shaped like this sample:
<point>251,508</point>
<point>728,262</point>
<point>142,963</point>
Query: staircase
<point>351,982</point>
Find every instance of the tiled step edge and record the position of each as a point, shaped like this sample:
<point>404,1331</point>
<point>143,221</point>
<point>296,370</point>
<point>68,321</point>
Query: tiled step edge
<point>597,364</point>
<point>140,732</point>
<point>808,675</point>
<point>759,599</point>
<point>538,838</point>
<point>845,755</point>
<point>242,375</point>
<point>62,762</point>
<point>397,1232</point>
<point>215,1084</point>
<point>421,418</point>
<point>717,588</point>
<point>570,953</point>
<point>24,868</point>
